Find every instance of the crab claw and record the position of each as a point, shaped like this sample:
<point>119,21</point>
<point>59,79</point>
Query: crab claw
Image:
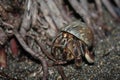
<point>89,56</point>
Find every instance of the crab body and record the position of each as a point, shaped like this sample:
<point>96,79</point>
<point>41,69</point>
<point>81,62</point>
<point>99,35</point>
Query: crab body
<point>73,43</point>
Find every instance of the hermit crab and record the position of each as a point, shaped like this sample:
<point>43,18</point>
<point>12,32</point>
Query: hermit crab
<point>74,43</point>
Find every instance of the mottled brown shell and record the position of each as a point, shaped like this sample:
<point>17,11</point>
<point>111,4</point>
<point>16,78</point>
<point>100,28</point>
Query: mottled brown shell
<point>81,31</point>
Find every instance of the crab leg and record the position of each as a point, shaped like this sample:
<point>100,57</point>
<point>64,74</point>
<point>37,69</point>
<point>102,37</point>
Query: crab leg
<point>59,44</point>
<point>56,45</point>
<point>81,47</point>
<point>69,50</point>
<point>77,51</point>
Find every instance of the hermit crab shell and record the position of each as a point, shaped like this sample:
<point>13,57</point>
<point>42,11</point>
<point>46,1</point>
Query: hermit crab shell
<point>81,31</point>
